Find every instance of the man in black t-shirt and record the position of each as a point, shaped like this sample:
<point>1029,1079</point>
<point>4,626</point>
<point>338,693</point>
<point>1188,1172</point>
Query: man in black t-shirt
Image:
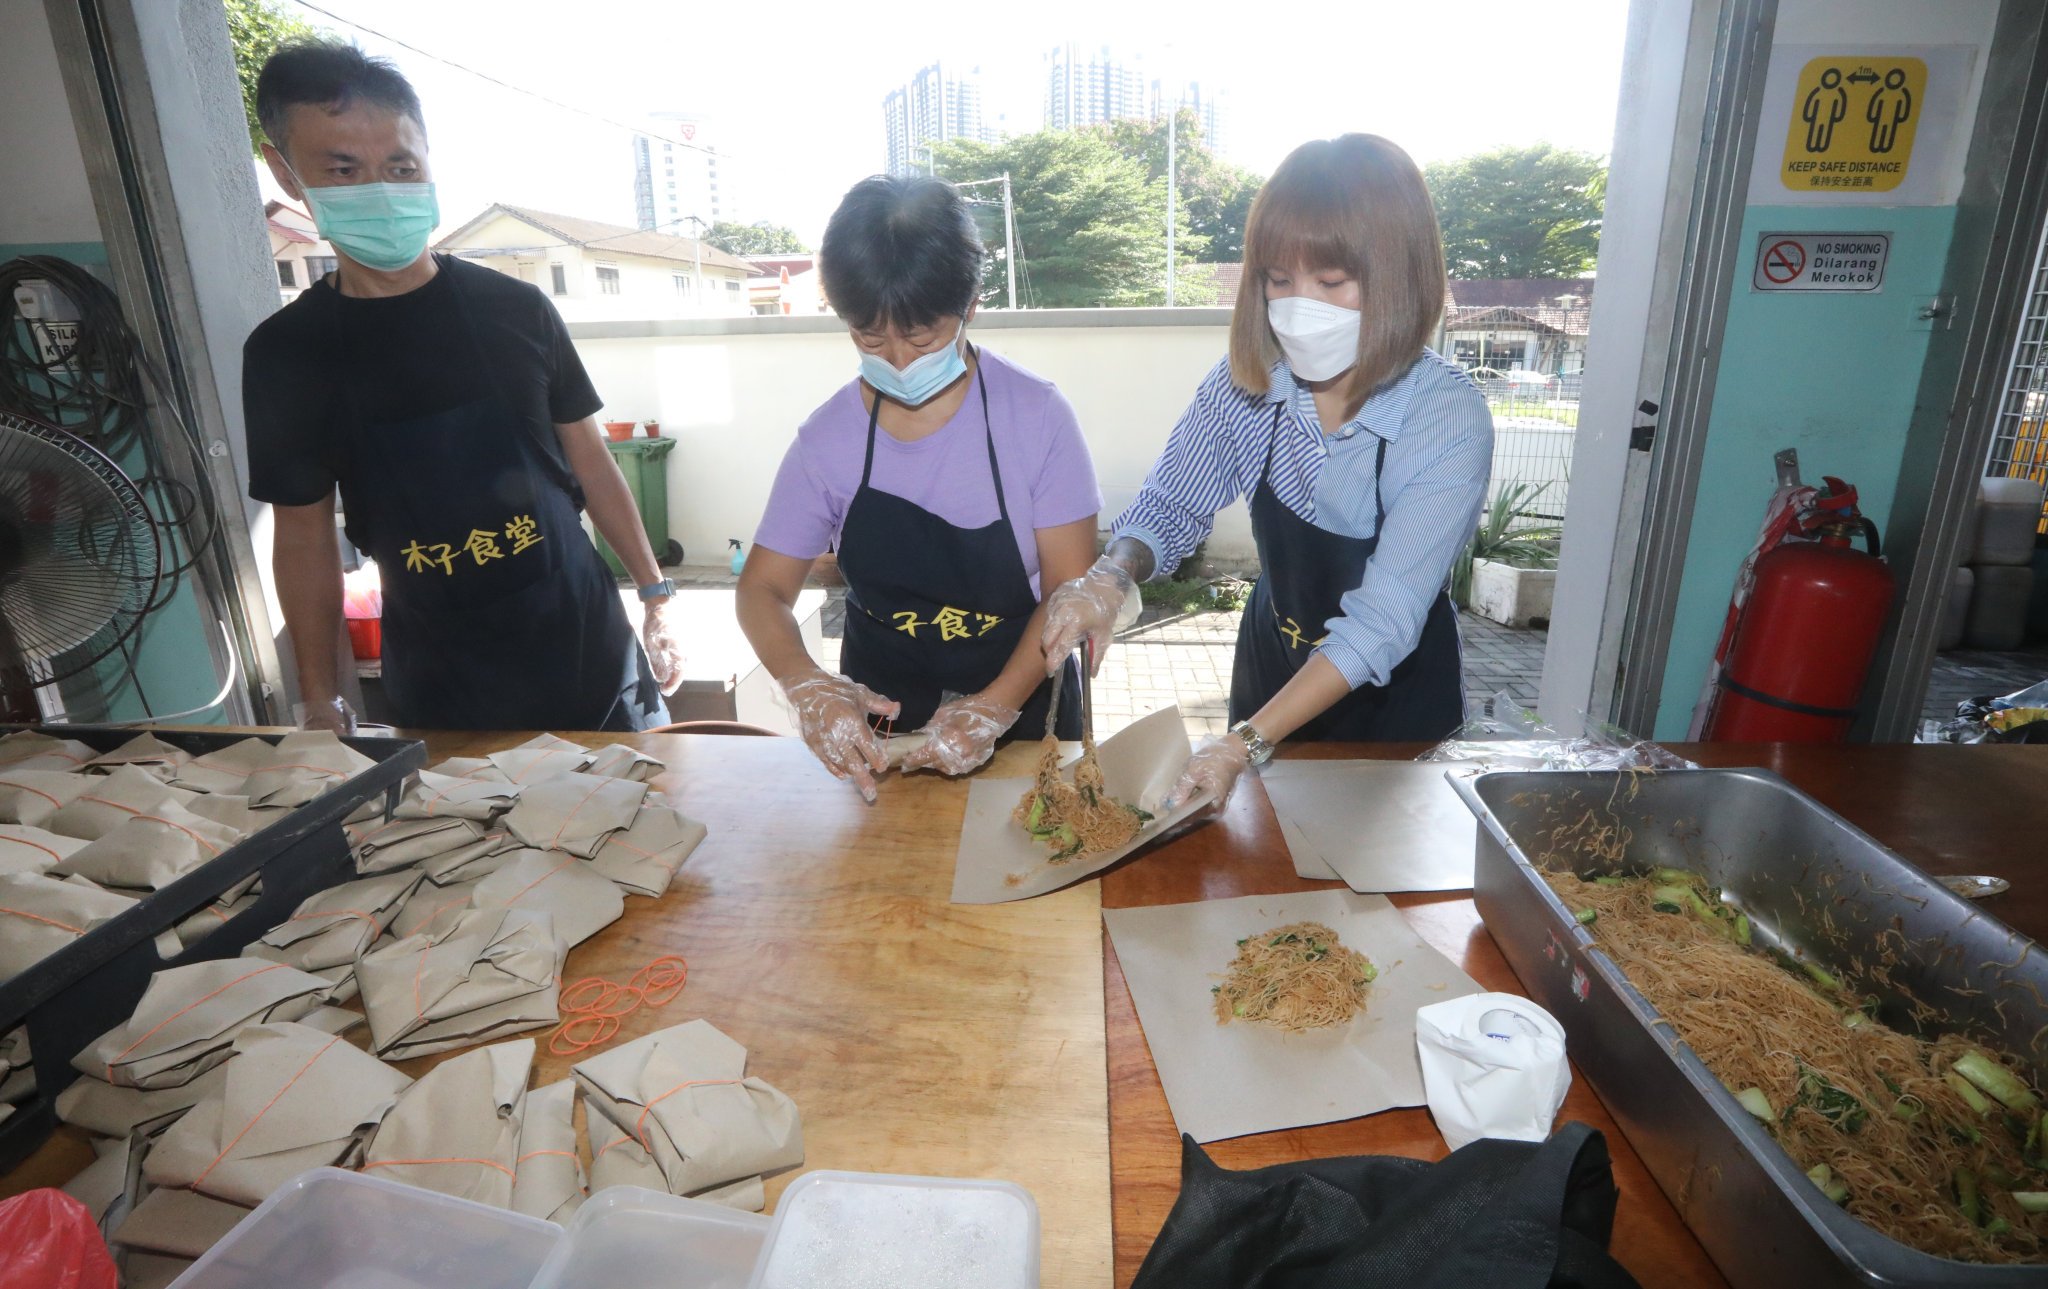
<point>444,404</point>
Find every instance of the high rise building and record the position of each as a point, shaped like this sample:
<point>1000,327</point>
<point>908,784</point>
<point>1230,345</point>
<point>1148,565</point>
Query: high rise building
<point>938,103</point>
<point>676,175</point>
<point>1207,105</point>
<point>1092,86</point>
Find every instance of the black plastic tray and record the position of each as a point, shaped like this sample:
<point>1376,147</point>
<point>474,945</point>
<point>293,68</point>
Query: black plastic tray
<point>86,988</point>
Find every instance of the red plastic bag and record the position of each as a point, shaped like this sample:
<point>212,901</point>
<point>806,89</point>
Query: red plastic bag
<point>52,1242</point>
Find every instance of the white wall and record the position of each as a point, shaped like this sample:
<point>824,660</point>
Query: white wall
<point>44,196</point>
<point>733,395</point>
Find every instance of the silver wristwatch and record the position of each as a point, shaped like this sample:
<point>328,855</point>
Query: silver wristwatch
<point>1257,750</point>
<point>658,590</point>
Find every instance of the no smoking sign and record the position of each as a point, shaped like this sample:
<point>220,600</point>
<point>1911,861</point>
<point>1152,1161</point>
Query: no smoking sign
<point>1821,261</point>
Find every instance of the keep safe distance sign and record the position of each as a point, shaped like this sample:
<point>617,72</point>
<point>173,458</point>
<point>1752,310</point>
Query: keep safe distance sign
<point>1821,261</point>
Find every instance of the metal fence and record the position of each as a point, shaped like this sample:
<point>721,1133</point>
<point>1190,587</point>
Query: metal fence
<point>2019,445</point>
<point>1528,361</point>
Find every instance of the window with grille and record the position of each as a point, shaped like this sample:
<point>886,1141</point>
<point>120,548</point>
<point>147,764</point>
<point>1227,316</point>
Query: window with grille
<point>2019,446</point>
<point>682,281</point>
<point>607,279</point>
<point>284,273</point>
<point>558,278</point>
<point>319,266</point>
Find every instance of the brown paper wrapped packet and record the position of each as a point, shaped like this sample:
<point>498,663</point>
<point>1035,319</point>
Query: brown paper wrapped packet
<point>212,918</point>
<point>33,850</point>
<point>146,752</point>
<point>148,852</point>
<point>399,843</point>
<point>431,904</point>
<point>99,1106</point>
<point>470,767</point>
<point>188,1018</point>
<point>684,1097</point>
<point>17,1071</point>
<point>439,796</point>
<point>302,766</point>
<point>224,769</point>
<point>294,1099</point>
<point>469,978</point>
<point>479,859</point>
<point>180,1223</point>
<point>331,928</point>
<point>141,1270</point>
<point>32,797</point>
<point>644,858</point>
<point>581,900</point>
<point>231,811</point>
<point>41,913</point>
<point>541,757</point>
<point>28,750</point>
<point>621,1162</point>
<point>456,1130</point>
<point>102,1185</point>
<point>617,761</point>
<point>574,812</point>
<point>548,1175</point>
<point>113,799</point>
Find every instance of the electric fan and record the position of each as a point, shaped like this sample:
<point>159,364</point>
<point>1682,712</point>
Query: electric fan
<point>79,559</point>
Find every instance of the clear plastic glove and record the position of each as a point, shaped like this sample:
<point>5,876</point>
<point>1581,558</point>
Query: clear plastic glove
<point>1215,768</point>
<point>961,734</point>
<point>1091,607</point>
<point>833,712</point>
<point>661,630</point>
<point>334,715</point>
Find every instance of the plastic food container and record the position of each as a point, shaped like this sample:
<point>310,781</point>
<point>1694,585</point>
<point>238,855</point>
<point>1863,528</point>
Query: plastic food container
<point>874,1231</point>
<point>329,1229</point>
<point>628,1236</point>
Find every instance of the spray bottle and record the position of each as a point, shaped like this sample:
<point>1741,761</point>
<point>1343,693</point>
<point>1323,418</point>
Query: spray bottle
<point>739,555</point>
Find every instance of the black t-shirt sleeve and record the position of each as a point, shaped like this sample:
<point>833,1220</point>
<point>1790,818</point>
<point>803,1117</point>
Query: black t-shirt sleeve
<point>571,396</point>
<point>284,414</point>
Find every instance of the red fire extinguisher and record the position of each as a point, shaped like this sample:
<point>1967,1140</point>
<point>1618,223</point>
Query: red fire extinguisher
<point>1803,644</point>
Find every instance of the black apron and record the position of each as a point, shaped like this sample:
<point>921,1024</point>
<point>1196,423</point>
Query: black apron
<point>498,612</point>
<point>1305,573</point>
<point>935,609</point>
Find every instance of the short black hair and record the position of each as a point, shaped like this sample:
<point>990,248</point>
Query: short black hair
<point>332,74</point>
<point>900,252</point>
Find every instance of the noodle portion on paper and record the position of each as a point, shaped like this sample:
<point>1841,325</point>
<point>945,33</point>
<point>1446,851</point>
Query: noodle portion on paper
<point>1077,818</point>
<point>1295,977</point>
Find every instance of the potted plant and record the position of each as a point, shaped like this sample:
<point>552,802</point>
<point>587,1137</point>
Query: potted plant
<point>1508,573</point>
<point>652,429</point>
<point>619,431</point>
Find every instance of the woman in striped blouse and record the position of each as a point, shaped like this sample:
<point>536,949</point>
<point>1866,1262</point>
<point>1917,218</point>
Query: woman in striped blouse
<point>1364,457</point>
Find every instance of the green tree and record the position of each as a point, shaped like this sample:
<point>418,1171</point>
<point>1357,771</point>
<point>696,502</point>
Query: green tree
<point>760,238</point>
<point>1215,196</point>
<point>255,29</point>
<point>1520,212</point>
<point>1091,225</point>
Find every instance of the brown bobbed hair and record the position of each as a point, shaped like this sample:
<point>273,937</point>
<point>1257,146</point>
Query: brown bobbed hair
<point>1355,203</point>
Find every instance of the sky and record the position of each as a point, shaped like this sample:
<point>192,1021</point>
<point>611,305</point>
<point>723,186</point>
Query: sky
<point>794,101</point>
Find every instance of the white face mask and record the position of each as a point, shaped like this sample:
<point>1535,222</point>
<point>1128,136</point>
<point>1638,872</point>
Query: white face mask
<point>1320,340</point>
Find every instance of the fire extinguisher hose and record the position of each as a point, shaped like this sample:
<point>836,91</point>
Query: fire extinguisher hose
<point>1734,686</point>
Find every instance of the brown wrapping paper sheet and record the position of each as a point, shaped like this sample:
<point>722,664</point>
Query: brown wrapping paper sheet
<point>231,811</point>
<point>644,858</point>
<point>438,796</point>
<point>32,797</point>
<point>470,767</point>
<point>211,918</point>
<point>548,1177</point>
<point>331,928</point>
<point>574,812</point>
<point>28,750</point>
<point>428,903</point>
<point>224,769</point>
<point>479,859</point>
<point>998,861</point>
<point>400,843</point>
<point>302,766</point>
<point>1246,1077</point>
<point>617,761</point>
<point>188,1018</point>
<point>41,913</point>
<point>1378,826</point>
<point>541,757</point>
<point>147,852</point>
<point>33,850</point>
<point>683,1095</point>
<point>581,900</point>
<point>99,1106</point>
<point>102,1185</point>
<point>476,976</point>
<point>295,1098</point>
<point>145,752</point>
<point>180,1223</point>
<point>456,1129</point>
<point>112,800</point>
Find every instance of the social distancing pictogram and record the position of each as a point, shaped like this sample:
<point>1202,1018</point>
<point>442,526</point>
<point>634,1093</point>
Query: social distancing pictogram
<point>1852,124</point>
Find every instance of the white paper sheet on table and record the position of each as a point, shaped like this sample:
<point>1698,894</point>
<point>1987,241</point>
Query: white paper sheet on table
<point>998,861</point>
<point>1231,1080</point>
<point>1377,826</point>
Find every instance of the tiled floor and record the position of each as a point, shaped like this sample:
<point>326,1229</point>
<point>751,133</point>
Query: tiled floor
<point>1185,659</point>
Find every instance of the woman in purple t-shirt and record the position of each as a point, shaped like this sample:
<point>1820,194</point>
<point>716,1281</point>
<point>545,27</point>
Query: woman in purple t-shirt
<point>952,484</point>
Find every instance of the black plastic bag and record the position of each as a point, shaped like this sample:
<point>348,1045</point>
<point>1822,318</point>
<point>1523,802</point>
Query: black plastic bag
<point>1497,1214</point>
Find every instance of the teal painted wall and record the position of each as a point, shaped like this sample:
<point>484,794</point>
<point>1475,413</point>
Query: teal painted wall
<point>174,668</point>
<point>1833,374</point>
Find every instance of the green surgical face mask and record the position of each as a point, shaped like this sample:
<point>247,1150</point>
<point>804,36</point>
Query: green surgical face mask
<point>382,226</point>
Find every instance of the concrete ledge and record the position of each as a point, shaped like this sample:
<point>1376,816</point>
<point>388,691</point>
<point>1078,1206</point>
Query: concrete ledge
<point>988,320</point>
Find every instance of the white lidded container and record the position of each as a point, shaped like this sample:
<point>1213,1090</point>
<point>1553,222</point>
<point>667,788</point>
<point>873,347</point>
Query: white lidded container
<point>329,1229</point>
<point>835,1230</point>
<point>629,1236</point>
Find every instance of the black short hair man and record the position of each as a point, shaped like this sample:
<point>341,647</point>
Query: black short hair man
<point>446,407</point>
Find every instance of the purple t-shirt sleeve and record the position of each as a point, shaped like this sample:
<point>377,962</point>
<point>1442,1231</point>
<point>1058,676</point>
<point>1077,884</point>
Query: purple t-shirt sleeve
<point>1065,490</point>
<point>801,516</point>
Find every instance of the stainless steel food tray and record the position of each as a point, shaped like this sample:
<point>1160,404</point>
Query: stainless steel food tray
<point>1811,884</point>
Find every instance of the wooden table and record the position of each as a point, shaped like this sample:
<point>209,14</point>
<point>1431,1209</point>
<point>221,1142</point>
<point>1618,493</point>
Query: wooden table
<point>1949,809</point>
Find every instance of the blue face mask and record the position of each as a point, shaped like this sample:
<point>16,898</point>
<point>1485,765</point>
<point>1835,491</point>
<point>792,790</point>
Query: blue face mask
<point>381,226</point>
<point>925,375</point>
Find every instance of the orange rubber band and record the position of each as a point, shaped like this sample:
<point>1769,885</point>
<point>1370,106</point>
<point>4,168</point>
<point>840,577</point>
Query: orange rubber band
<point>265,1110</point>
<point>401,1163</point>
<point>37,917</point>
<point>594,1008</point>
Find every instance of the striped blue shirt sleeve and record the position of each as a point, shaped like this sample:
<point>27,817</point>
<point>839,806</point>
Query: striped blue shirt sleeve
<point>1449,430</point>
<point>1196,476</point>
